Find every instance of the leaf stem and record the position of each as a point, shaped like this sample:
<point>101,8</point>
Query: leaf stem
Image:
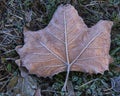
<point>67,55</point>
<point>67,76</point>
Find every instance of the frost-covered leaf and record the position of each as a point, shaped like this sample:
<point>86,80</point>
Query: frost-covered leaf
<point>19,86</point>
<point>66,44</point>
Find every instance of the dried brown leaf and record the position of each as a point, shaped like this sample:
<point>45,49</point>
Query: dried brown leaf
<point>67,44</point>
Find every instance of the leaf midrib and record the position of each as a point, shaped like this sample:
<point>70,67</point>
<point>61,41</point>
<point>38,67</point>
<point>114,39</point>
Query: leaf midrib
<point>66,39</point>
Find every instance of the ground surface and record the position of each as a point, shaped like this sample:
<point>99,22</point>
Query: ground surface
<point>35,15</point>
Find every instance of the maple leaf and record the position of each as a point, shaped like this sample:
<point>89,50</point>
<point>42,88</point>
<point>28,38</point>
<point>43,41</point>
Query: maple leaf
<point>66,44</point>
